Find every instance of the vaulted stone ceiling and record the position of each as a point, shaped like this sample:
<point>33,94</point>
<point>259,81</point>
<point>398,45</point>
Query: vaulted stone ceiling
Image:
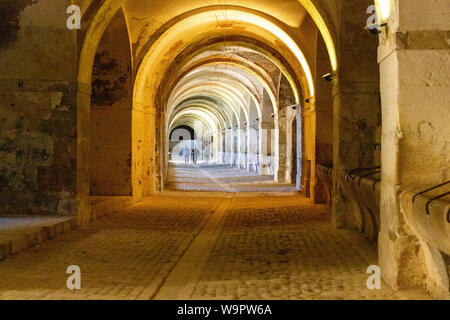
<point>234,77</point>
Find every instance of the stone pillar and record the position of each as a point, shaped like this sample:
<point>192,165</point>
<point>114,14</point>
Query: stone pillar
<point>265,151</point>
<point>148,184</point>
<point>224,148</point>
<point>286,99</point>
<point>230,150</point>
<point>219,147</point>
<point>415,90</point>
<point>254,145</point>
<point>357,110</point>
<point>323,120</point>
<point>237,148</point>
<point>248,144</point>
<point>281,154</point>
<point>242,148</point>
<point>299,149</point>
<point>291,134</point>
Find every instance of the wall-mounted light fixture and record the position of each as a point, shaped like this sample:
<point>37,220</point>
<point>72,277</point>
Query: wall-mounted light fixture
<point>383,11</point>
<point>295,106</point>
<point>329,76</point>
<point>375,28</point>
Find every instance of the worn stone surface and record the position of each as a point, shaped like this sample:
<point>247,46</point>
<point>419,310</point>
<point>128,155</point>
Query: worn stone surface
<point>10,12</point>
<point>414,64</point>
<point>37,143</point>
<point>356,105</point>
<point>111,123</point>
<point>37,110</point>
<point>265,248</point>
<point>221,178</point>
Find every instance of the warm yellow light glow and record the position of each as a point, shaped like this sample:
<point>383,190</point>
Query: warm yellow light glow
<point>321,25</point>
<point>280,34</point>
<point>207,117</point>
<point>231,101</point>
<point>263,81</point>
<point>383,8</point>
<point>205,19</point>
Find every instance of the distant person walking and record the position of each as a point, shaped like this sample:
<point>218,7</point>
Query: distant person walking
<point>186,153</point>
<point>207,154</point>
<point>195,154</point>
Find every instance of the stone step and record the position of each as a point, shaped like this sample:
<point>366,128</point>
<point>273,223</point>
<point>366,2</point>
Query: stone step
<point>16,239</point>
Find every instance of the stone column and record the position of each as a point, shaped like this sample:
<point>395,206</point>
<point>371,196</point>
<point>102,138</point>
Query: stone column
<point>224,146</point>
<point>219,147</point>
<point>323,120</point>
<point>415,90</point>
<point>281,156</point>
<point>356,106</point>
<point>299,148</point>
<point>230,150</point>
<point>265,151</point>
<point>248,144</point>
<point>254,145</point>
<point>242,148</point>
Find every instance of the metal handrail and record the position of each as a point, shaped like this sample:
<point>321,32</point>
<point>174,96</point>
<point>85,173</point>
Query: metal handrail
<point>359,170</point>
<point>367,175</point>
<point>353,172</point>
<point>430,189</point>
<point>375,184</point>
<point>429,202</point>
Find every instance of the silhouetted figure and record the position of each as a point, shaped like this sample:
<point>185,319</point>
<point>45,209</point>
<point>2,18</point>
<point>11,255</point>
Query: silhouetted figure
<point>186,152</point>
<point>207,154</point>
<point>195,154</point>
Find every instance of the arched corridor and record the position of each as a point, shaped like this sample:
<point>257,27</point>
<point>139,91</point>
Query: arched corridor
<point>205,149</point>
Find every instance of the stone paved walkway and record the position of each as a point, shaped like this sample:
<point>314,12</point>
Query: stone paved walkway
<point>202,246</point>
<point>221,178</point>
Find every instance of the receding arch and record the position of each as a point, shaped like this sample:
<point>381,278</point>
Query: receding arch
<point>142,98</point>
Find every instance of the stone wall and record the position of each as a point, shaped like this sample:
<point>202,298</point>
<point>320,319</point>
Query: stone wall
<point>37,108</point>
<point>415,85</point>
<point>110,135</point>
<point>324,120</point>
<point>357,106</point>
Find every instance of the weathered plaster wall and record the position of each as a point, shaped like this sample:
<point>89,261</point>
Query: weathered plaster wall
<point>110,159</point>
<point>37,108</point>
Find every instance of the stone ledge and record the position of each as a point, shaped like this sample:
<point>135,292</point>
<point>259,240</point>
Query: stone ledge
<point>16,239</point>
<point>19,233</point>
<point>362,187</point>
<point>101,206</point>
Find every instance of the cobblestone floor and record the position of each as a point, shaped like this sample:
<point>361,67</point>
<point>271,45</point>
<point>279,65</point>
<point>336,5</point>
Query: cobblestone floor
<point>221,178</point>
<point>289,251</point>
<point>258,247</point>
